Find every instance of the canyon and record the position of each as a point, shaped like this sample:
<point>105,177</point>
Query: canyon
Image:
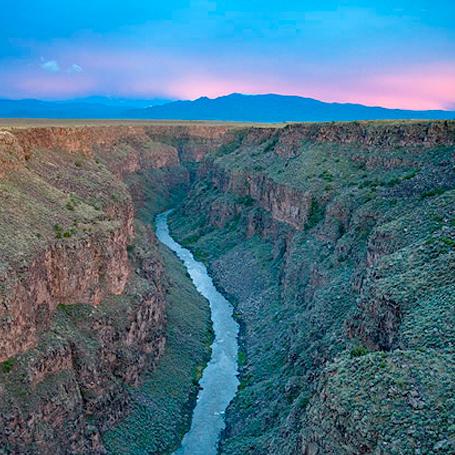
<point>334,241</point>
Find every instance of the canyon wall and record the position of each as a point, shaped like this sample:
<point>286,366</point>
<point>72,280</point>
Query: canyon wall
<point>83,307</point>
<point>334,241</point>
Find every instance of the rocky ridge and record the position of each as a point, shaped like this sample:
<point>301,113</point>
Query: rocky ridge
<point>335,237</point>
<point>83,313</point>
<point>337,243</point>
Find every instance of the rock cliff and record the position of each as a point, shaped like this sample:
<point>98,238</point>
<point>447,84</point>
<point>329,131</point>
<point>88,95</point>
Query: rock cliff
<point>334,241</point>
<point>82,312</point>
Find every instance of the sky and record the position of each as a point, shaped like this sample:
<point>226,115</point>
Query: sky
<point>393,53</point>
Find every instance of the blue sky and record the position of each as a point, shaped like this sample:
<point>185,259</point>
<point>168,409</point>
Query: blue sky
<point>393,53</point>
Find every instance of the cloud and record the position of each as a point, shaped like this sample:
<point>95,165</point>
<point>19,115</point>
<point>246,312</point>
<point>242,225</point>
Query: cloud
<point>74,68</point>
<point>51,65</point>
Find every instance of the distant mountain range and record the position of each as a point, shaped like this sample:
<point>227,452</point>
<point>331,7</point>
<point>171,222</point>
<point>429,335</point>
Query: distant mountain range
<point>59,110</point>
<point>235,107</point>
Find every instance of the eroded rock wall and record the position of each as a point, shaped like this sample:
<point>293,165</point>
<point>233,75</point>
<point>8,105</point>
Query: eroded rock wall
<point>333,239</point>
<point>82,316</point>
<point>336,244</point>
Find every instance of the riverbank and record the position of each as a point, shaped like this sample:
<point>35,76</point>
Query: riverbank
<point>162,406</point>
<point>335,243</point>
<point>219,382</point>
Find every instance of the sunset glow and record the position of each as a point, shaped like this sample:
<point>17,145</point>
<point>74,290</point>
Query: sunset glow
<point>394,54</point>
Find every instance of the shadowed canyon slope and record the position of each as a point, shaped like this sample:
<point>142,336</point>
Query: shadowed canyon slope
<point>335,242</point>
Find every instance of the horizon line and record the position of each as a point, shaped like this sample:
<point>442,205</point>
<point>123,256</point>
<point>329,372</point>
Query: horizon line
<point>169,101</point>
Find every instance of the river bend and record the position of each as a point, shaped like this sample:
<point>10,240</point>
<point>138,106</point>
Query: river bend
<point>219,380</point>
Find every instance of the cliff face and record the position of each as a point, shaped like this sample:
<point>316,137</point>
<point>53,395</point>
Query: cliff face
<point>80,317</point>
<point>65,273</point>
<point>336,243</point>
<point>11,154</point>
<point>64,247</point>
<point>380,135</point>
<point>80,261</point>
<point>86,268</point>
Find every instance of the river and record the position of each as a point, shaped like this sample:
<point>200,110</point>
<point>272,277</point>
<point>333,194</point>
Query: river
<point>219,380</point>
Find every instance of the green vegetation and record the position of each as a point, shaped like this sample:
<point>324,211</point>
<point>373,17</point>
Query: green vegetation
<point>371,260</point>
<point>431,193</point>
<point>162,405</point>
<point>242,357</point>
<point>359,351</point>
<point>247,200</point>
<point>345,245</point>
<point>7,365</point>
<point>315,215</point>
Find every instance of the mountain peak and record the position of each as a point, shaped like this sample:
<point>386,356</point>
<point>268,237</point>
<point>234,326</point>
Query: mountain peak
<point>266,108</point>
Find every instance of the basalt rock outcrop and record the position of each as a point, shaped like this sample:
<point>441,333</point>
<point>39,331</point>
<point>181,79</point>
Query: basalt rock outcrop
<point>334,241</point>
<point>82,312</point>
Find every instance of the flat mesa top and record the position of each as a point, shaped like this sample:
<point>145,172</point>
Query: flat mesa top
<point>40,122</point>
<point>7,123</point>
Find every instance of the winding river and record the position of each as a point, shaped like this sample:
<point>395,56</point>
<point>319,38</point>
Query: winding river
<point>219,381</point>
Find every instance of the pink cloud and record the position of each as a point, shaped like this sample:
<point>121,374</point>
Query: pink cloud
<point>44,86</point>
<point>416,91</point>
<point>150,73</point>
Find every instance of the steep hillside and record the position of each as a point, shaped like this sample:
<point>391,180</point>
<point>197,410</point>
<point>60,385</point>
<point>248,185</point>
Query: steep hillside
<point>335,242</point>
<point>83,287</point>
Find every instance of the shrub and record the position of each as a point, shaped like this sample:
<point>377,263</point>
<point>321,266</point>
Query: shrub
<point>437,217</point>
<point>241,357</point>
<point>248,201</point>
<point>341,229</point>
<point>315,215</point>
<point>271,144</point>
<point>57,227</point>
<point>411,175</point>
<point>393,182</point>
<point>304,400</point>
<point>7,365</point>
<point>327,176</point>
<point>431,193</point>
<point>359,351</point>
<point>190,240</point>
<point>449,241</point>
